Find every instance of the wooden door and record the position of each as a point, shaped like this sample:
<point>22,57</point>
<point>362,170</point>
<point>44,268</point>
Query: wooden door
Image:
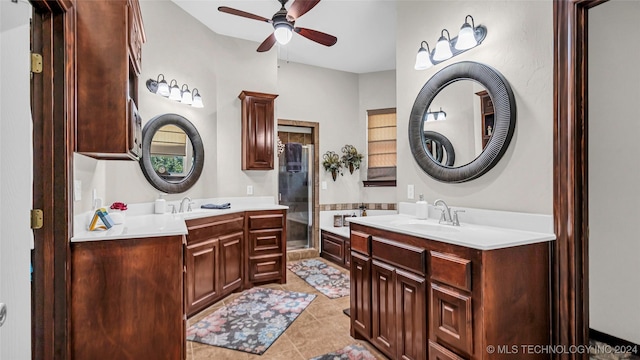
<point>383,310</point>
<point>411,320</point>
<point>202,274</point>
<point>231,262</point>
<point>360,295</point>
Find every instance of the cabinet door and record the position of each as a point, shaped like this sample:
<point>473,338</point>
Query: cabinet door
<point>411,316</point>
<point>383,300</point>
<point>360,295</point>
<point>333,248</point>
<point>451,318</point>
<point>202,274</point>
<point>347,254</point>
<point>230,262</point>
<point>257,130</point>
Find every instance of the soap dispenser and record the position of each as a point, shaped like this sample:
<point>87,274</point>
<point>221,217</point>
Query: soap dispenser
<point>422,208</point>
<point>160,205</point>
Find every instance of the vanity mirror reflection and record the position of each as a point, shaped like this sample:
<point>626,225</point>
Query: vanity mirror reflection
<point>477,135</point>
<point>172,153</point>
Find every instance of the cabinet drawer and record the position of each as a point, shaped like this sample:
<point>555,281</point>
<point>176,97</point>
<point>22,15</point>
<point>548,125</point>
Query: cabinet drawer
<point>451,270</point>
<point>403,255</point>
<point>265,268</point>
<point>360,242</point>
<point>266,221</point>
<point>437,352</point>
<point>451,318</point>
<point>263,242</point>
<point>213,227</point>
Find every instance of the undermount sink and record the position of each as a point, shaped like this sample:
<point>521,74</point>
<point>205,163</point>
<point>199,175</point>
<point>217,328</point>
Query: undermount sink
<point>425,225</point>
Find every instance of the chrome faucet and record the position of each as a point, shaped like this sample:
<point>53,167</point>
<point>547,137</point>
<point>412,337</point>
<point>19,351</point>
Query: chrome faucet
<point>182,204</point>
<point>446,212</point>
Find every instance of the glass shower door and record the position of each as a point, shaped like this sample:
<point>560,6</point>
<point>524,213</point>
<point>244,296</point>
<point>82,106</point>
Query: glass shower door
<point>296,191</point>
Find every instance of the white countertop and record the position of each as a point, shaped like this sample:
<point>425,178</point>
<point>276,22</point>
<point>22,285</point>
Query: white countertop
<point>481,237</point>
<point>143,225</point>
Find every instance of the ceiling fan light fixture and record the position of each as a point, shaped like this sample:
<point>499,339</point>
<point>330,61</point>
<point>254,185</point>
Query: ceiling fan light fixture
<point>283,33</point>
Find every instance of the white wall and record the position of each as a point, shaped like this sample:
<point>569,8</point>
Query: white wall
<point>519,44</point>
<point>16,174</point>
<point>614,286</point>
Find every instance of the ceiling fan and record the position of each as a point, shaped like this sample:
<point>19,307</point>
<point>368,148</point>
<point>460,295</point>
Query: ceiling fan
<point>283,24</point>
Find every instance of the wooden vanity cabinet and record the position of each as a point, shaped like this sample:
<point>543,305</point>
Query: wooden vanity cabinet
<point>335,248</point>
<point>257,130</point>
<point>109,35</point>
<point>266,247</point>
<point>213,259</point>
<point>117,288</point>
<point>430,299</point>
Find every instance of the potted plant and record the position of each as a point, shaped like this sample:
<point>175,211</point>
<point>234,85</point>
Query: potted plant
<point>331,162</point>
<point>351,157</point>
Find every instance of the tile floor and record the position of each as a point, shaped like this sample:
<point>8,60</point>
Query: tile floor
<point>321,328</point>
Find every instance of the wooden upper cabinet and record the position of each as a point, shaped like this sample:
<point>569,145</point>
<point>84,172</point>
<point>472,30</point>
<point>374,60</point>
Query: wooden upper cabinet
<point>257,130</point>
<point>109,35</point>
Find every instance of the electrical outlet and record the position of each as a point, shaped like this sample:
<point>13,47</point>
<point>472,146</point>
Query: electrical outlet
<point>410,192</point>
<point>324,185</point>
<point>77,190</point>
<point>249,189</point>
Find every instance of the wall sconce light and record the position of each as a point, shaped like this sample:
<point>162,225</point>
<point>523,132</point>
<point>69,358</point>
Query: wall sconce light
<point>173,92</point>
<point>469,37</point>
<point>435,115</point>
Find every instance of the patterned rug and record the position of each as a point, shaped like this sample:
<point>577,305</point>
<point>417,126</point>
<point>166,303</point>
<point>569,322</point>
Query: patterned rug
<point>325,278</point>
<point>350,352</point>
<point>252,322</point>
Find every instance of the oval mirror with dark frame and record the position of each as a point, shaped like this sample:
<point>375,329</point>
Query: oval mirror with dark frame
<point>172,153</point>
<point>490,145</point>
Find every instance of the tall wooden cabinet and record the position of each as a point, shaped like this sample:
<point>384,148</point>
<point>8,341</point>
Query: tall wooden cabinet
<point>487,116</point>
<point>415,298</point>
<point>109,38</point>
<point>257,130</point>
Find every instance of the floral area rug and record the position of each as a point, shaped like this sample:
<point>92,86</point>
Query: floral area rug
<point>252,322</point>
<point>325,278</point>
<point>350,352</point>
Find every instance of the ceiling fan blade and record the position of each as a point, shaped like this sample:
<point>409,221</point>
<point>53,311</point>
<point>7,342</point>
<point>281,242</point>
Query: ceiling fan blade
<point>299,8</point>
<point>317,36</point>
<point>237,12</point>
<point>267,44</point>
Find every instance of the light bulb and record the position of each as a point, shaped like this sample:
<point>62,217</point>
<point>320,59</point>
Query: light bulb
<point>283,33</point>
<point>443,49</point>
<point>163,88</point>
<point>430,116</point>
<point>441,115</point>
<point>466,38</point>
<point>423,61</point>
<point>197,99</point>
<point>175,93</point>
<point>186,95</point>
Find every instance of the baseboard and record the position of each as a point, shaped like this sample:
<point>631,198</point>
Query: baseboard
<point>614,341</point>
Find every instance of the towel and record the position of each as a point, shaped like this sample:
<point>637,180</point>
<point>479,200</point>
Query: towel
<point>214,206</point>
<point>293,156</point>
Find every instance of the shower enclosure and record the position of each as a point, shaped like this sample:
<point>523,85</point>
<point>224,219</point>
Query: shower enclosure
<point>295,186</point>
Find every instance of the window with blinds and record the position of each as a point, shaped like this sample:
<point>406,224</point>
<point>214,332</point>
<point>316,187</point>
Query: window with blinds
<point>381,138</point>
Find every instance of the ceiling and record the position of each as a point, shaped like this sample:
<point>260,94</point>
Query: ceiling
<point>365,30</point>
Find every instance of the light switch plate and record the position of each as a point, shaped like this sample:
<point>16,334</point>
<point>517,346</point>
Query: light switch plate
<point>249,189</point>
<point>77,190</point>
<point>410,192</point>
<point>324,185</point>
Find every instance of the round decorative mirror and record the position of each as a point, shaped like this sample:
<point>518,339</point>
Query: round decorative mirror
<point>172,153</point>
<point>473,107</point>
<point>439,148</point>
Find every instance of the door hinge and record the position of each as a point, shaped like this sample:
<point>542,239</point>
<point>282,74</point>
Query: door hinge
<point>37,219</point>
<point>36,63</point>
